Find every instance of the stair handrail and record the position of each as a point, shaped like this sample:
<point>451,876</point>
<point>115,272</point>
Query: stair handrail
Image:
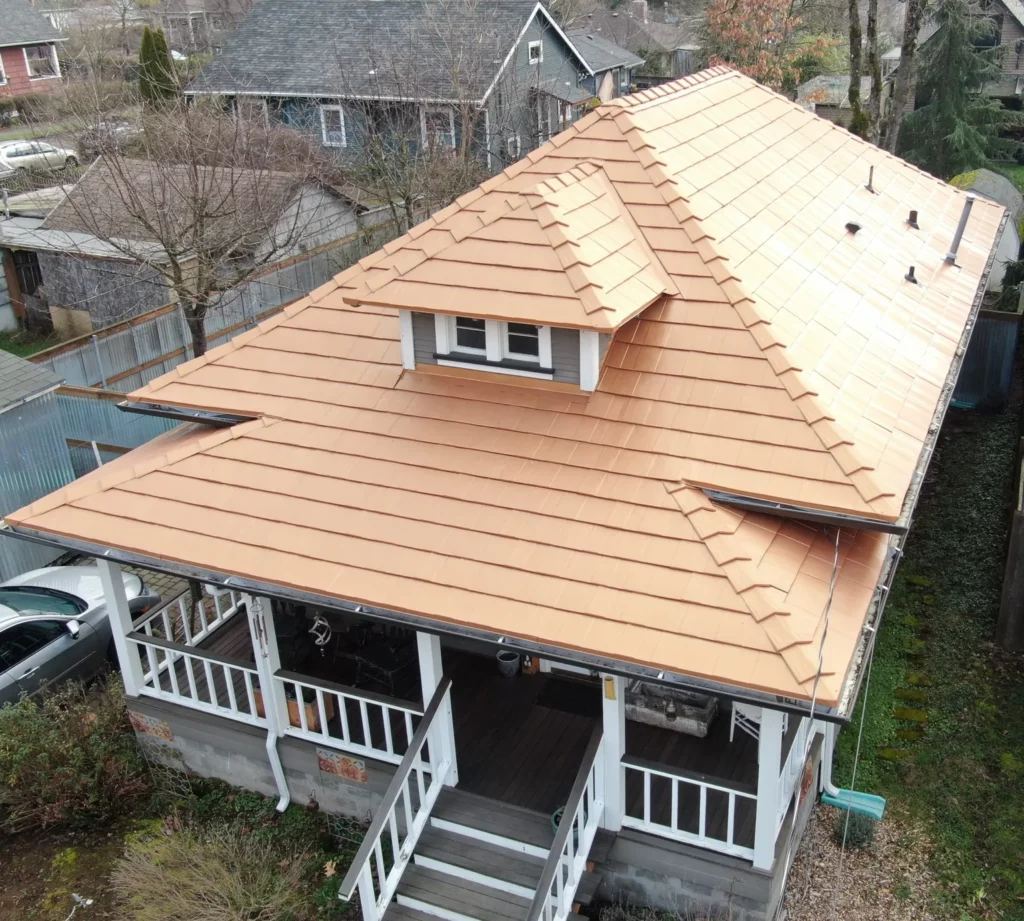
<point>362,873</point>
<point>567,858</point>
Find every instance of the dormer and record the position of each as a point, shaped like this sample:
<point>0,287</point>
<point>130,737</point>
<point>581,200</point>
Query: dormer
<point>534,286</point>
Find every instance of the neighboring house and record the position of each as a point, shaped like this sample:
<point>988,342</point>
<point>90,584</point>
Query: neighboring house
<point>34,456</point>
<point>669,49</point>
<point>77,270</point>
<point>828,96</point>
<point>642,418</point>
<point>999,189</point>
<point>1008,16</point>
<point>28,50</point>
<point>501,72</point>
<point>197,26</point>
<point>613,67</point>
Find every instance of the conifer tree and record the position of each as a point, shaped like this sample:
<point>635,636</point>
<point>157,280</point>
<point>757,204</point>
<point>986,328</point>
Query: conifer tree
<point>156,70</point>
<point>958,128</point>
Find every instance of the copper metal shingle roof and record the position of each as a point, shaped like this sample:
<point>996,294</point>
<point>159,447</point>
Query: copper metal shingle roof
<point>787,359</point>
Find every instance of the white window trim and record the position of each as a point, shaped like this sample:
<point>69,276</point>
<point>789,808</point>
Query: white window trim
<point>3,73</point>
<point>543,343</point>
<point>539,45</point>
<point>323,126</point>
<point>450,110</point>
<point>54,60</point>
<point>496,337</point>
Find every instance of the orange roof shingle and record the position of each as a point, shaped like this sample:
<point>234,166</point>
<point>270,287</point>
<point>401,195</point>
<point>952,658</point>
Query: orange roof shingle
<point>759,349</point>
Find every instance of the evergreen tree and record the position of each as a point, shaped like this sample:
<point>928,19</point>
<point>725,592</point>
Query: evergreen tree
<point>156,70</point>
<point>958,128</point>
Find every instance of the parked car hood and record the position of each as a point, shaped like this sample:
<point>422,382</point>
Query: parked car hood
<point>83,581</point>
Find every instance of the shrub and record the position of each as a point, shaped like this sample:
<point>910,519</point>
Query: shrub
<point>859,829</point>
<point>211,875</point>
<point>70,759</point>
<point>8,110</point>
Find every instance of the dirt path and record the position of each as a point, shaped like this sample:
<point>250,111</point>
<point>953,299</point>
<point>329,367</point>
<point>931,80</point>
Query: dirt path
<point>889,881</point>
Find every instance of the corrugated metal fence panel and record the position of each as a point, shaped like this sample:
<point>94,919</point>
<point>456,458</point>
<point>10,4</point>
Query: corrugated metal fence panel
<point>88,419</point>
<point>987,370</point>
<point>34,461</point>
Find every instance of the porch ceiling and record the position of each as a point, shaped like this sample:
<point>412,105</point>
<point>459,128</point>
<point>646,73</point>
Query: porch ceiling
<point>795,364</point>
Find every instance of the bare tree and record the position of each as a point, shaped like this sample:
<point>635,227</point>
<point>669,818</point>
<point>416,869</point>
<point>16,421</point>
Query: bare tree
<point>856,50</point>
<point>203,198</point>
<point>901,93</point>
<point>875,70</point>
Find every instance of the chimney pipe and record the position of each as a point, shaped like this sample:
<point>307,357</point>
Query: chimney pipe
<point>958,236</point>
<point>911,277</point>
<point>912,220</point>
<point>871,179</point>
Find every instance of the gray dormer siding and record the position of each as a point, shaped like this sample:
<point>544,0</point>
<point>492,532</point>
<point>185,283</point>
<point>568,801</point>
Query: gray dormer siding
<point>565,354</point>
<point>565,348</point>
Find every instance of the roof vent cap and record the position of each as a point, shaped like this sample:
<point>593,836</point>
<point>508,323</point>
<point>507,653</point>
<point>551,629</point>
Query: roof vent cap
<point>852,226</point>
<point>910,276</point>
<point>912,220</point>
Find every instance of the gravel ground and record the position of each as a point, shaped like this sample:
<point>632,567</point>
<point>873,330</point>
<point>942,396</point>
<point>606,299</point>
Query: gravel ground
<point>888,881</point>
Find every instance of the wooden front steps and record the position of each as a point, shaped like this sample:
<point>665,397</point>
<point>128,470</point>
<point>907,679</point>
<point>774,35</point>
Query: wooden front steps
<point>480,860</point>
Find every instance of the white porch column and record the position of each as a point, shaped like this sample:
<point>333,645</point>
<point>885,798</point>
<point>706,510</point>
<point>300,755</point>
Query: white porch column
<point>769,766</point>
<point>614,717</point>
<point>121,625</point>
<point>268,660</point>
<point>428,645</point>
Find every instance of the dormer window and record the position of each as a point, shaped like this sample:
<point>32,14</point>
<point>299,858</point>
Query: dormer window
<point>493,345</point>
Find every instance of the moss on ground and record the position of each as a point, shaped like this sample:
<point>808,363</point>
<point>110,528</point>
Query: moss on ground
<point>965,775</point>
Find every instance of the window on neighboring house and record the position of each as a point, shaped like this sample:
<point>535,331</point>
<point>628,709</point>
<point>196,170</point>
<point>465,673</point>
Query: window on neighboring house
<point>535,52</point>
<point>3,73</point>
<point>41,61</point>
<point>438,126</point>
<point>332,126</point>
<point>26,267</point>
<point>513,149</point>
<point>543,117</point>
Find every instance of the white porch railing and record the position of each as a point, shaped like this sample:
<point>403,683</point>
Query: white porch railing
<point>200,680</point>
<point>403,814</point>
<point>567,860</point>
<point>341,717</point>
<point>792,770</point>
<point>176,622</point>
<point>688,789</point>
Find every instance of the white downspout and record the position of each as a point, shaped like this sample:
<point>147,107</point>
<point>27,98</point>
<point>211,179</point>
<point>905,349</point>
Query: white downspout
<point>275,706</point>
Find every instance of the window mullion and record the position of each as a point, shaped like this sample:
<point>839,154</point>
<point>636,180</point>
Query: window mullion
<point>497,333</point>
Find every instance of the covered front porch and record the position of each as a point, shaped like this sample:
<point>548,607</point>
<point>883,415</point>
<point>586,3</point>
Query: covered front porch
<point>519,740</point>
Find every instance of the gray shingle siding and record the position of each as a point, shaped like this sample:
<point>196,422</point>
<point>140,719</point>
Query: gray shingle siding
<point>424,340</point>
<point>565,354</point>
<point>603,341</point>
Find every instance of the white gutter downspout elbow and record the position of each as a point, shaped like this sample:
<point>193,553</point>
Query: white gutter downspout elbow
<point>278,769</point>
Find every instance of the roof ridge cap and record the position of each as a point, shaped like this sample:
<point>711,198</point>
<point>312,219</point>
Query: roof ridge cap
<point>774,620</point>
<point>803,395</point>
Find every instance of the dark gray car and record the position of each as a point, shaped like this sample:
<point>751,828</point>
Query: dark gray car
<point>49,635</point>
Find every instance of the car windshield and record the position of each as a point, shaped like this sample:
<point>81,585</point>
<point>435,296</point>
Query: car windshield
<point>37,600</point>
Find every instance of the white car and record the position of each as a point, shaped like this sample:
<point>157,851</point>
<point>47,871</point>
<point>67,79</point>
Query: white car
<point>36,156</point>
<point>54,626</point>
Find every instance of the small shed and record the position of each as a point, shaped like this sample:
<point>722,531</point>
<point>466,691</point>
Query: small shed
<point>34,456</point>
<point>996,187</point>
<point>828,96</point>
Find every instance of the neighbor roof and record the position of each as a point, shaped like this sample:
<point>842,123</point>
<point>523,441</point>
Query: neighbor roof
<point>830,90</point>
<point>994,187</point>
<point>21,380</point>
<point>632,32</point>
<point>103,203</point>
<point>790,361</point>
<point>350,48</point>
<point>600,53</point>
<point>23,25</point>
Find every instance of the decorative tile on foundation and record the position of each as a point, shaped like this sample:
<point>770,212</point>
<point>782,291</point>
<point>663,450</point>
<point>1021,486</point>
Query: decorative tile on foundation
<point>332,762</point>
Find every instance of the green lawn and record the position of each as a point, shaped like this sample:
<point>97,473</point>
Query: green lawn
<point>23,344</point>
<point>1012,171</point>
<point>965,776</point>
